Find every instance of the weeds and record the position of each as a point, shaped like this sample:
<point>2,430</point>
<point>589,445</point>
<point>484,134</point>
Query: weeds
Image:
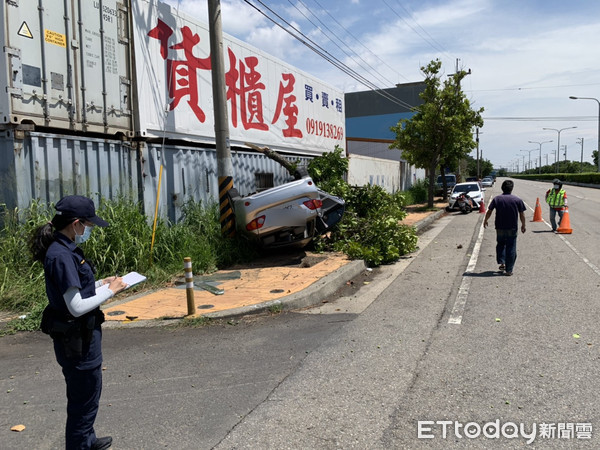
<point>122,247</point>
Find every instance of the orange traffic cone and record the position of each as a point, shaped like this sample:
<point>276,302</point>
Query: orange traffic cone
<point>537,213</point>
<point>565,223</point>
<point>481,206</point>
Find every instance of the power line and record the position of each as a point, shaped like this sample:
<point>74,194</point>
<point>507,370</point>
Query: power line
<point>358,41</point>
<point>326,55</point>
<point>378,75</point>
<point>431,42</point>
<point>547,119</point>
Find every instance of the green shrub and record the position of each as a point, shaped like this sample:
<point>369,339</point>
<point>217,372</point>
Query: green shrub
<point>370,228</point>
<point>419,191</point>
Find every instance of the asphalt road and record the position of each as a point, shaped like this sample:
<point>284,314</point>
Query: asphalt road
<point>387,366</point>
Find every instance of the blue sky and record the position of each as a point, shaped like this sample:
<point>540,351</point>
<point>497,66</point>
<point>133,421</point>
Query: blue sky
<point>526,57</point>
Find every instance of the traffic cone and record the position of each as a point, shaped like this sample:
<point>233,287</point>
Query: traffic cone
<point>481,206</point>
<point>537,213</point>
<point>565,223</point>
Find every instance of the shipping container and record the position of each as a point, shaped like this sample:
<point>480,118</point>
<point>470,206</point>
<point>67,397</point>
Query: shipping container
<point>45,167</point>
<point>67,65</point>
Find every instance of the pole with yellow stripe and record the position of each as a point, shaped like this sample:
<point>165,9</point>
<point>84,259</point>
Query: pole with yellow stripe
<point>226,217</point>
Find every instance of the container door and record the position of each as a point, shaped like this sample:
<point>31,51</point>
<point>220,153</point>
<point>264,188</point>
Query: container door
<point>39,61</point>
<point>105,60</point>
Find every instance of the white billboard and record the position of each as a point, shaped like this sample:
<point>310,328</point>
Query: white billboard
<point>269,102</point>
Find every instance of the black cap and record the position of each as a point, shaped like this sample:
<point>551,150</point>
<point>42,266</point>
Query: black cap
<point>80,207</point>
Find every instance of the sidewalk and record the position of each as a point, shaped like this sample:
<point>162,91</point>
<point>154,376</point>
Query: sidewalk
<point>273,283</point>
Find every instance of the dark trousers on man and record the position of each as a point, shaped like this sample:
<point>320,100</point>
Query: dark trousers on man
<point>506,248</point>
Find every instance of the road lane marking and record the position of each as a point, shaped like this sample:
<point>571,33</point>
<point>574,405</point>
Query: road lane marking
<point>463,291</point>
<point>590,264</point>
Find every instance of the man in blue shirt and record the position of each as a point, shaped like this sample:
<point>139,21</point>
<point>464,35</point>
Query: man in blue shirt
<point>509,209</point>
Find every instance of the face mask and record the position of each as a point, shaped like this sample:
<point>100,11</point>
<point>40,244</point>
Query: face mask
<point>81,238</point>
<point>557,187</point>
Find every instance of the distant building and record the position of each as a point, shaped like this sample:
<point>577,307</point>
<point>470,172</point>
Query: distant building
<point>369,117</point>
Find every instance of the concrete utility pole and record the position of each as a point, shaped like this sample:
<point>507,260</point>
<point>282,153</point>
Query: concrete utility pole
<point>477,141</point>
<point>224,164</point>
<point>580,141</point>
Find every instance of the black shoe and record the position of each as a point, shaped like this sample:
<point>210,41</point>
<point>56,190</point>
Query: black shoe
<point>102,443</point>
<point>502,267</point>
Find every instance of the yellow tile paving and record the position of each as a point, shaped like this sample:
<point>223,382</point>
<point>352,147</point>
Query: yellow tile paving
<point>254,286</point>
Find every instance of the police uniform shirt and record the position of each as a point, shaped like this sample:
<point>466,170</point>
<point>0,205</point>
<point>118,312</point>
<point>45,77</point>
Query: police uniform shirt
<point>65,267</point>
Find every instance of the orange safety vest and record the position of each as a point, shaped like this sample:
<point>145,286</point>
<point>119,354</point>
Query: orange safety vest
<point>556,199</point>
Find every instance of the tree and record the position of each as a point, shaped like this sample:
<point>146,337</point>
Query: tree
<point>440,130</point>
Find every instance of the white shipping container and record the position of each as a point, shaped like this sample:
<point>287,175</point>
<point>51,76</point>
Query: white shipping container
<point>269,102</point>
<point>66,65</point>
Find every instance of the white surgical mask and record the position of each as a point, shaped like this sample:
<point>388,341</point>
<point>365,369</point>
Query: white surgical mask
<point>556,186</point>
<point>81,238</point>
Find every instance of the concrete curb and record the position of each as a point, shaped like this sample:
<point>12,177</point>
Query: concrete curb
<point>427,221</point>
<point>310,296</point>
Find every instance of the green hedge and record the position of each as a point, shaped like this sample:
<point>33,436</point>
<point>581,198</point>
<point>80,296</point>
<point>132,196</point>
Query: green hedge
<point>585,178</point>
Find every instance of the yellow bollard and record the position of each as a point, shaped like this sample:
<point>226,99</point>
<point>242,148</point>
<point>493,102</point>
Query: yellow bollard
<point>189,285</point>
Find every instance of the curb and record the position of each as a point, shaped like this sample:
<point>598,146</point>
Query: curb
<point>310,296</point>
<point>427,221</point>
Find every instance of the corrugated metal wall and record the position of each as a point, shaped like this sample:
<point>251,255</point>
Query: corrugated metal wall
<point>45,167</point>
<point>191,173</point>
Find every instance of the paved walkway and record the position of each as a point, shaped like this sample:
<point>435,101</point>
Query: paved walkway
<point>238,290</point>
<point>282,281</point>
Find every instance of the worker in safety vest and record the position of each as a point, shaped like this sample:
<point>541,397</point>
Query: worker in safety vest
<point>557,200</point>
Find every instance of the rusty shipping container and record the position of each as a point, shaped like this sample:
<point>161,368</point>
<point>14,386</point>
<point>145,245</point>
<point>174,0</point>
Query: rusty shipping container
<point>67,65</point>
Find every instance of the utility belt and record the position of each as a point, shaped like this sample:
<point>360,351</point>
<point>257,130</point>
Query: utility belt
<point>74,333</point>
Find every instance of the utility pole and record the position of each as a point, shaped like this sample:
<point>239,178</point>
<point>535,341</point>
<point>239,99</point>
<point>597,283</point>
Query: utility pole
<point>580,141</point>
<point>477,141</point>
<point>224,164</point>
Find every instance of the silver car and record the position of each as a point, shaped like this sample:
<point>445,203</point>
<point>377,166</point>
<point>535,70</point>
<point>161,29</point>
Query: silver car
<point>487,182</point>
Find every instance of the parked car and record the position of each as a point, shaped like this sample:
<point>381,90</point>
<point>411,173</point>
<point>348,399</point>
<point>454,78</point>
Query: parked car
<point>450,182</point>
<point>472,189</point>
<point>487,182</point>
<point>472,179</point>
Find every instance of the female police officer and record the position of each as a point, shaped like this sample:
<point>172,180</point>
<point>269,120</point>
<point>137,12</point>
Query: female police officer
<point>73,316</point>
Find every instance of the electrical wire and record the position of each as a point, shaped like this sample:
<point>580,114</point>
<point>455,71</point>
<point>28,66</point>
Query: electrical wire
<point>377,75</point>
<point>544,119</point>
<point>359,42</point>
<point>431,42</point>
<point>309,43</point>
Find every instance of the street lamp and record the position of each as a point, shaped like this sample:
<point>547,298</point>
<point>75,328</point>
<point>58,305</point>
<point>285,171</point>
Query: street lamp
<point>598,101</point>
<point>518,156</point>
<point>535,149</point>
<point>540,144</point>
<point>558,144</point>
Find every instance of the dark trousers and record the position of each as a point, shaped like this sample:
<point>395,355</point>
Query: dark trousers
<point>506,248</point>
<point>83,398</point>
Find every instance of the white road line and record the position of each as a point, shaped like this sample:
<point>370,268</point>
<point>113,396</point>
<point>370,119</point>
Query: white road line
<point>590,264</point>
<point>463,291</point>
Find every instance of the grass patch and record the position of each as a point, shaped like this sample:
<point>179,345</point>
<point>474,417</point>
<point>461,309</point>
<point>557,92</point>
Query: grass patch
<point>120,248</point>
